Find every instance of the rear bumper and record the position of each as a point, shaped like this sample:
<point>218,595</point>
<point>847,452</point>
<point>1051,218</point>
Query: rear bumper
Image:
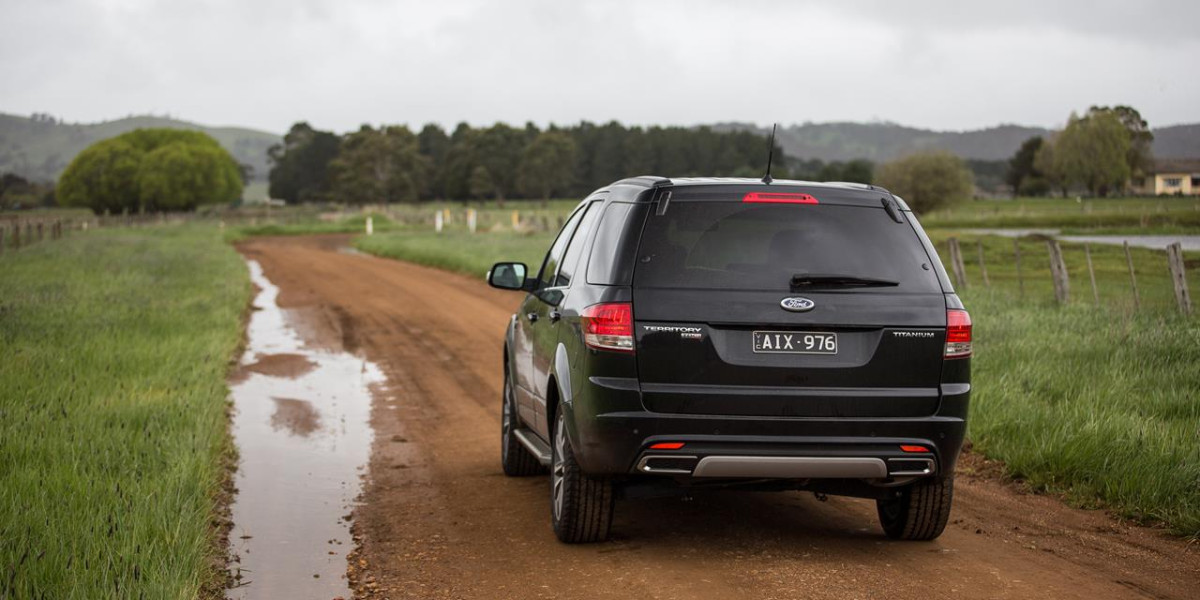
<point>618,443</point>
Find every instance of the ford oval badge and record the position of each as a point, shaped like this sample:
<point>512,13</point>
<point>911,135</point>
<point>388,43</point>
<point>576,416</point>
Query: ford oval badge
<point>797,304</point>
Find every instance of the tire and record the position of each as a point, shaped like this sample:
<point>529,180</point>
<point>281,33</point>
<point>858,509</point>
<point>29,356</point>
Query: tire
<point>514,457</point>
<point>581,507</point>
<point>920,512</point>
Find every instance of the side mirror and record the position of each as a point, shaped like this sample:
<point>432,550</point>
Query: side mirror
<point>508,276</point>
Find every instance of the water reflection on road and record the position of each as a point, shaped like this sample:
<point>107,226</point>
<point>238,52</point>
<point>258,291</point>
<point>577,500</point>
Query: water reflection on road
<point>302,430</point>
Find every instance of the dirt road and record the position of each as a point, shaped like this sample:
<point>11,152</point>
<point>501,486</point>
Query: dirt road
<point>440,520</point>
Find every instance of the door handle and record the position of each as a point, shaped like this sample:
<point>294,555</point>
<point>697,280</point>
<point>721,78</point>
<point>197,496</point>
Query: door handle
<point>555,316</point>
<point>531,316</point>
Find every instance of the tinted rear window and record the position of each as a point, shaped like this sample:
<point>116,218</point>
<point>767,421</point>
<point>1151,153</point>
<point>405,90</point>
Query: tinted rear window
<point>733,245</point>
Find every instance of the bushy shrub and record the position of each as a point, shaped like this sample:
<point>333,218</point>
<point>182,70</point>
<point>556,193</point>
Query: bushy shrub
<point>928,180</point>
<point>151,169</point>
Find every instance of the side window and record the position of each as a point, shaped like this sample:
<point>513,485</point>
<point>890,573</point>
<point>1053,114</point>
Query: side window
<point>570,261</point>
<point>554,256</point>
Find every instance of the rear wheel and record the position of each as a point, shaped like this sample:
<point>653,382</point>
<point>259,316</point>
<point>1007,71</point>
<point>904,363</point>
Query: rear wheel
<point>581,507</point>
<point>920,512</point>
<point>515,458</point>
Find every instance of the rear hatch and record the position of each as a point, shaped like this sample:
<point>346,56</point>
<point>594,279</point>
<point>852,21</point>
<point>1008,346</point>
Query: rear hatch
<point>813,303</point>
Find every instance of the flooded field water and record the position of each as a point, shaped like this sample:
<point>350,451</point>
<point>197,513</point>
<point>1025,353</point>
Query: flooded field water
<point>301,425</point>
<point>1189,242</point>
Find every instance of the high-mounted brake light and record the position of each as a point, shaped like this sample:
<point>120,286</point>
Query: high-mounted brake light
<point>778,198</point>
<point>958,334</point>
<point>666,446</point>
<point>608,326</point>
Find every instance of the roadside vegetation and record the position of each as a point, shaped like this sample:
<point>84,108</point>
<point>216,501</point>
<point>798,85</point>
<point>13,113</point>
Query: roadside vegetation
<point>113,439</point>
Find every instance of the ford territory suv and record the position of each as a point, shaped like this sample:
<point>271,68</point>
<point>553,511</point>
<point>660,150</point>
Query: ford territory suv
<point>689,334</point>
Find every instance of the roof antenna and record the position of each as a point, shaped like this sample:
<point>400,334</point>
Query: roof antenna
<point>770,155</point>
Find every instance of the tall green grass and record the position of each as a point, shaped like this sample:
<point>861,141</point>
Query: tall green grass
<point>1101,405</point>
<point>114,347</point>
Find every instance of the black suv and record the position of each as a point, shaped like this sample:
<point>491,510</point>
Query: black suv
<point>689,334</point>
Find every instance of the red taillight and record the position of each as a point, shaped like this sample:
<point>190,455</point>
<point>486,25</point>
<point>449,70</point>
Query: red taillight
<point>666,446</point>
<point>908,448</point>
<point>608,326</point>
<point>778,198</point>
<point>958,334</point>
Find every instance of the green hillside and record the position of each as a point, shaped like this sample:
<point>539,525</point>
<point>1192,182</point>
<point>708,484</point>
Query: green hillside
<point>881,142</point>
<point>40,148</point>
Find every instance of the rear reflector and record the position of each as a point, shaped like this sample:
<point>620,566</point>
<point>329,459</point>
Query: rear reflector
<point>666,446</point>
<point>907,448</point>
<point>778,198</point>
<point>608,326</point>
<point>958,334</point>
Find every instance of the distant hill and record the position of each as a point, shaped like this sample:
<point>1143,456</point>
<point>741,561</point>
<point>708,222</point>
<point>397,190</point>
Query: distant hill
<point>884,141</point>
<point>40,148</point>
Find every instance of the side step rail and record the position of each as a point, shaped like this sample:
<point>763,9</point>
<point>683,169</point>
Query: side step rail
<point>539,449</point>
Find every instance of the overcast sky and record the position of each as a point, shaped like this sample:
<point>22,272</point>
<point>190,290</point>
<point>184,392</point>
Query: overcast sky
<point>951,64</point>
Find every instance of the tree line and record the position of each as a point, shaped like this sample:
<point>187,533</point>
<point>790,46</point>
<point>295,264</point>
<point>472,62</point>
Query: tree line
<point>1099,151</point>
<point>393,164</point>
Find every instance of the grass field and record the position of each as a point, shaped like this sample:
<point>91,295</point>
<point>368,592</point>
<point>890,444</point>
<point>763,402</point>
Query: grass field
<point>1100,405</point>
<point>459,251</point>
<point>113,412</point>
<point>1170,214</point>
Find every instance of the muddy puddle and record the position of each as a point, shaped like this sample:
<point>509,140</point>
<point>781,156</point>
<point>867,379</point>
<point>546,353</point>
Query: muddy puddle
<point>301,425</point>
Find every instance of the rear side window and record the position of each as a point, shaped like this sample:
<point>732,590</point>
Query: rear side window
<point>554,256</point>
<point>612,258</point>
<point>734,245</point>
<point>575,248</point>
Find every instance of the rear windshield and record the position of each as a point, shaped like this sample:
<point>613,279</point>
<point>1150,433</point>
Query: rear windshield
<point>733,245</point>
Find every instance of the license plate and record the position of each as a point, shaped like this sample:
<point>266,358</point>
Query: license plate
<point>795,342</point>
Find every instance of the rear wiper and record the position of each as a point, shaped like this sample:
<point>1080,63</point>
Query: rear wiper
<point>810,279</point>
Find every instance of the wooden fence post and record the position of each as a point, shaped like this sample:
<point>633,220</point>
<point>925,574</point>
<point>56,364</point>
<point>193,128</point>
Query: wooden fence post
<point>437,221</point>
<point>1058,272</point>
<point>1132,278</point>
<point>17,236</point>
<point>983,267</point>
<point>1179,277</point>
<point>1087,251</point>
<point>956,264</point>
<point>1020,280</point>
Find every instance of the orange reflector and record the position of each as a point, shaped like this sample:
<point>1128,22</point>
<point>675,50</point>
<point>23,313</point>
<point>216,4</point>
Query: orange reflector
<point>666,446</point>
<point>908,448</point>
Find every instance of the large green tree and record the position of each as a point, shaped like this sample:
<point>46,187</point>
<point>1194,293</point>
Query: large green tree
<point>1139,156</point>
<point>1092,151</point>
<point>1023,174</point>
<point>928,180</point>
<point>547,165</point>
<point>151,169</point>
<point>379,166</point>
<point>300,165</point>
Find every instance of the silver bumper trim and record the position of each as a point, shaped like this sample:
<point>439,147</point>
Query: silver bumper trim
<point>791,467</point>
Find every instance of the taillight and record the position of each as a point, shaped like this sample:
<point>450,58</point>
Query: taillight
<point>778,198</point>
<point>958,334</point>
<point>608,326</point>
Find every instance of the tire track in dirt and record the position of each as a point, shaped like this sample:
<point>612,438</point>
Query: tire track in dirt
<point>440,520</point>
